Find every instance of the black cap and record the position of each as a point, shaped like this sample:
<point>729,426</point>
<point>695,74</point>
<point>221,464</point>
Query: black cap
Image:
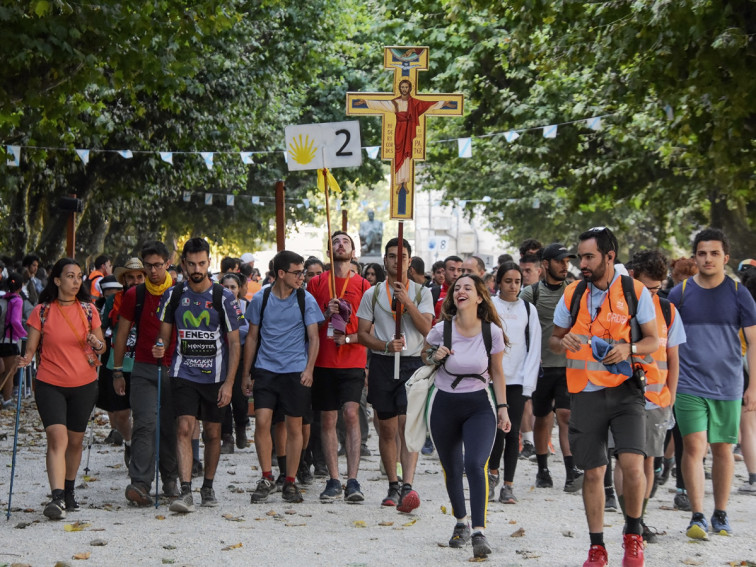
<point>556,251</point>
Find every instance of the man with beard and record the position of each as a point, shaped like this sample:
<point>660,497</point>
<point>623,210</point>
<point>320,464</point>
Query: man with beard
<point>594,331</point>
<point>551,393</point>
<point>340,367</point>
<point>138,324</point>
<point>205,360</point>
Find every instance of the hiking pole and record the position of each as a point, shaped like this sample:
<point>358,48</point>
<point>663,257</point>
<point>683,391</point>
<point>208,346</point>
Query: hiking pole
<point>89,440</point>
<point>15,439</point>
<point>159,343</point>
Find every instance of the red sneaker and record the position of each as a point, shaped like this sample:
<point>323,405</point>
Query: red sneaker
<point>410,500</point>
<point>597,557</point>
<point>633,545</point>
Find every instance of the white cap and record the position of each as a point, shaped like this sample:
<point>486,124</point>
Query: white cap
<point>247,258</point>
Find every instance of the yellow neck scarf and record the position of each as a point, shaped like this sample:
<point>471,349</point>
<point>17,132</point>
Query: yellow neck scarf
<point>159,289</point>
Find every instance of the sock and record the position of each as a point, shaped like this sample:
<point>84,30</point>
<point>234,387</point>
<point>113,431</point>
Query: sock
<point>752,478</point>
<point>186,487</point>
<point>281,464</point>
<point>127,443</point>
<point>597,538</point>
<point>195,449</point>
<point>57,494</point>
<point>697,517</point>
<point>480,531</point>
<point>269,475</point>
<point>609,491</point>
<point>406,487</point>
<point>290,479</point>
<point>207,482</point>
<point>462,521</point>
<point>68,486</point>
<point>621,500</point>
<point>720,514</point>
<point>569,464</point>
<point>543,462</point>
<point>633,526</point>
<point>643,512</point>
<point>527,437</point>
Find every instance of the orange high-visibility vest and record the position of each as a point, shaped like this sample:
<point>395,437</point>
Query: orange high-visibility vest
<point>655,365</point>
<point>612,324</point>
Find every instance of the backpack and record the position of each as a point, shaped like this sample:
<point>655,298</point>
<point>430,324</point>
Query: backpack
<point>534,290</point>
<point>628,290</point>
<point>418,297</point>
<point>176,298</point>
<point>487,341</point>
<point>266,295</point>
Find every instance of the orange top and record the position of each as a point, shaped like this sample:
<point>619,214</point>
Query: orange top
<point>252,288</point>
<point>655,365</point>
<point>63,361</point>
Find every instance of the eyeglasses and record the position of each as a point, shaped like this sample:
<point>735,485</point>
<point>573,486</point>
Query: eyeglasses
<point>602,229</point>
<point>297,273</point>
<point>155,266</point>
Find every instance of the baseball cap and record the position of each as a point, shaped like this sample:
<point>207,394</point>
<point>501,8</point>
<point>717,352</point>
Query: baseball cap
<point>556,251</point>
<point>247,258</point>
<point>747,263</point>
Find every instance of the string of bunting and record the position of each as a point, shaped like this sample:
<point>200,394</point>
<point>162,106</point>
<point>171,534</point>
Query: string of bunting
<point>464,146</point>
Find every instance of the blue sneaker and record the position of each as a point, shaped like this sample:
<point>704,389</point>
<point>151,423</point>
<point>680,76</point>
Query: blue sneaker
<point>428,447</point>
<point>698,529</point>
<point>720,524</point>
<point>353,493</point>
<point>332,490</point>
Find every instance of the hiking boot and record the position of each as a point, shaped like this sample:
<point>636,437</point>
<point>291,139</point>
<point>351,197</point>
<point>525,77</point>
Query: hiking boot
<point>55,509</point>
<point>71,504</point>
<point>574,481</point>
<point>127,455</point>
<point>528,450</point>
<point>290,493</point>
<point>171,489</point>
<point>264,488</point>
<point>698,529</point>
<point>610,504</point>
<point>543,479</point>
<point>493,480</point>
<point>303,474</point>
<point>320,470</point>
<point>227,444</point>
<point>681,500</point>
<point>597,557</point>
<point>719,524</point>
<point>241,436</point>
<point>409,500</point>
<point>332,490</point>
<point>278,486</point>
<point>139,494</point>
<point>633,544</point>
<point>480,545</point>
<point>208,497</point>
<point>183,504</point>
<point>353,493</point>
<point>196,469</point>
<point>650,535</point>
<point>392,497</point>
<point>428,447</point>
<point>460,536</point>
<point>114,438</point>
<point>506,496</point>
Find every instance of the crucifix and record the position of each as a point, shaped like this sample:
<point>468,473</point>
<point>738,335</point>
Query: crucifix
<point>403,125</point>
<point>403,113</point>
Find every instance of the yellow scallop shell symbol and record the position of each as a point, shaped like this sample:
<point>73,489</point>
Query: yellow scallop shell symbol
<point>302,150</point>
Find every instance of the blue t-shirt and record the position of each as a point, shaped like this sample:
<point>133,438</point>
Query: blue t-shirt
<point>646,312</point>
<point>282,335</point>
<point>710,360</point>
<point>201,349</point>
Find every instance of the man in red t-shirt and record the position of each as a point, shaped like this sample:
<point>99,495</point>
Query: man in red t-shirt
<point>144,387</point>
<point>340,367</point>
<point>452,270</point>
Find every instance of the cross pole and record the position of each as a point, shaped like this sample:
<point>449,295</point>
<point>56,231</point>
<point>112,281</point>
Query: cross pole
<point>403,113</point>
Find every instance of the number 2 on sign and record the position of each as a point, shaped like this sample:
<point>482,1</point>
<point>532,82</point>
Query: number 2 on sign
<point>348,136</point>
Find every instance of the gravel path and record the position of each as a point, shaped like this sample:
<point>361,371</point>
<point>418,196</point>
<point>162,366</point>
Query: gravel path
<point>546,528</point>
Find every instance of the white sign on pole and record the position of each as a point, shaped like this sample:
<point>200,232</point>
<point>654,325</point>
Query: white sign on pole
<point>332,144</point>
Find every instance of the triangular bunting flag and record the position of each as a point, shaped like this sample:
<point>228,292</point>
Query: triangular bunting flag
<point>255,200</point>
<point>246,158</point>
<point>550,131</point>
<point>126,154</point>
<point>229,200</point>
<point>464,146</point>
<point>306,203</point>
<point>594,123</point>
<point>83,156</point>
<point>511,136</point>
<point>187,196</point>
<point>372,151</point>
<point>208,157</point>
<point>167,157</point>
<point>208,198</point>
<point>15,151</point>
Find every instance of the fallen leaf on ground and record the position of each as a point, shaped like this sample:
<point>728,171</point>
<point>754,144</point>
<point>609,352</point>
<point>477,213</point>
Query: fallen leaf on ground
<point>360,524</point>
<point>691,562</point>
<point>410,523</point>
<point>230,547</point>
<point>76,527</point>
<point>477,559</point>
<point>270,513</point>
<point>386,524</point>
<point>90,479</point>
<point>295,525</point>
<point>160,517</point>
<point>443,509</point>
<point>83,556</point>
<point>98,542</point>
<point>169,547</point>
<point>568,533</point>
<point>232,518</point>
<point>518,533</point>
<point>168,561</point>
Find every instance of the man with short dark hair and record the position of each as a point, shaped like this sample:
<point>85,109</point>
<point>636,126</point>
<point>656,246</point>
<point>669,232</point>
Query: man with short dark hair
<point>416,270</point>
<point>710,389</point>
<point>281,363</point>
<point>31,263</point>
<point>229,264</point>
<point>452,270</point>
<point>206,316</point>
<point>530,247</point>
<point>103,267</point>
<point>595,334</point>
<point>437,275</point>
<point>530,265</point>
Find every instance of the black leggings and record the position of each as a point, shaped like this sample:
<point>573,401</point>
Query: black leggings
<point>239,407</point>
<point>457,421</point>
<point>510,449</point>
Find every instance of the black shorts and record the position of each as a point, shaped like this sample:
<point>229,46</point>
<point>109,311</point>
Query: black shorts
<point>387,395</point>
<point>623,409</point>
<point>196,399</point>
<point>333,387</point>
<point>551,392</point>
<point>107,398</point>
<point>282,393</point>
<point>71,407</point>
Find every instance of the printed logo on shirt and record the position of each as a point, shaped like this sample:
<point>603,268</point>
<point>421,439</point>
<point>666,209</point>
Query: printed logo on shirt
<point>191,321</point>
<point>208,304</point>
<point>620,304</point>
<point>185,301</point>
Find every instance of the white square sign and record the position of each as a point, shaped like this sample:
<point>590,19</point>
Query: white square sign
<point>315,146</point>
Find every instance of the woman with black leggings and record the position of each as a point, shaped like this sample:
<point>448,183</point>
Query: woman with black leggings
<point>462,412</point>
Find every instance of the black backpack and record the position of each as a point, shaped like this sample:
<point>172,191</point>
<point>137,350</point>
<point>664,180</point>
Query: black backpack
<point>487,341</point>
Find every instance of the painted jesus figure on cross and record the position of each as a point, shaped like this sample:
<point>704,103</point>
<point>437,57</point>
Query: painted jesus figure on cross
<point>404,136</point>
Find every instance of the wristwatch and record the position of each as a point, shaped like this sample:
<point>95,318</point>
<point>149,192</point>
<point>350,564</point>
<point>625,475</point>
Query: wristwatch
<point>346,340</point>
<point>634,349</point>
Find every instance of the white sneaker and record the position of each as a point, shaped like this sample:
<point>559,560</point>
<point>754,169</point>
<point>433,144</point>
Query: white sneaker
<point>748,488</point>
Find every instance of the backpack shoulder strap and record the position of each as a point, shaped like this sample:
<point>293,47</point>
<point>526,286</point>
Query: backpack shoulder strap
<point>375,298</point>
<point>682,293</point>
<point>535,289</point>
<point>527,326</point>
<point>487,339</point>
<point>178,291</point>
<point>141,294</point>
<point>577,296</point>
<point>666,309</point>
<point>631,298</point>
<point>301,301</point>
<point>447,334</point>
<point>265,297</point>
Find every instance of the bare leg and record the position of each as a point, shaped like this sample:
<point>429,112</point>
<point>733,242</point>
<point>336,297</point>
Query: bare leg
<point>212,447</point>
<point>293,444</point>
<point>593,498</point>
<point>408,458</point>
<point>263,441</point>
<point>694,450</point>
<point>329,441</point>
<point>57,446</point>
<point>353,437</point>
<point>184,433</point>
<point>387,431</point>
<point>722,470</point>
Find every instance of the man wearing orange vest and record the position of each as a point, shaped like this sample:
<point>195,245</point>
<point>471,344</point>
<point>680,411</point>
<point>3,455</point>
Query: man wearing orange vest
<point>662,368</point>
<point>605,390</point>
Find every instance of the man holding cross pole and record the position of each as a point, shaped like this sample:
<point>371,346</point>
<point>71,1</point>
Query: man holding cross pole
<point>382,305</point>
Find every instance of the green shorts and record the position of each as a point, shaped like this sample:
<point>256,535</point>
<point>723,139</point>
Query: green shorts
<point>719,418</point>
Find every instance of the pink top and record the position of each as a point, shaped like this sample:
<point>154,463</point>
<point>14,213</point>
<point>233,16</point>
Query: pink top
<point>14,324</point>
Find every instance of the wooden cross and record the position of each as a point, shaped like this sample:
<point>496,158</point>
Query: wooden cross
<point>404,112</point>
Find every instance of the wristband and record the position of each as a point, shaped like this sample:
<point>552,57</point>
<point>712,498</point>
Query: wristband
<point>118,369</point>
<point>385,349</point>
<point>499,406</point>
